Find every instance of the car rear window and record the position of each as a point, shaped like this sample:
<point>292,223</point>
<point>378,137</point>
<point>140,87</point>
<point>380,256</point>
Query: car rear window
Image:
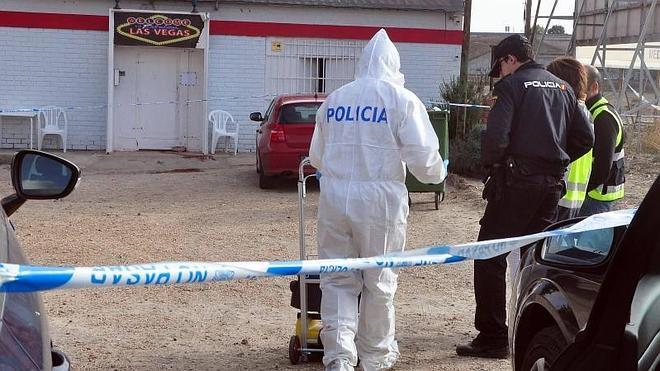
<point>299,113</point>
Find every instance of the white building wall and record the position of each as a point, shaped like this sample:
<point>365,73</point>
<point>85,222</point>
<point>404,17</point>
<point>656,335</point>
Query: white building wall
<point>69,67</point>
<point>336,16</point>
<point>427,66</point>
<point>254,13</point>
<point>242,91</point>
<point>236,81</point>
<point>54,67</point>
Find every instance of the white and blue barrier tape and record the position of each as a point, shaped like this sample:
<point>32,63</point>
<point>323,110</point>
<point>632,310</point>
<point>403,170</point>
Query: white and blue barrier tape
<point>469,105</point>
<point>26,278</point>
<point>119,105</point>
<point>435,104</point>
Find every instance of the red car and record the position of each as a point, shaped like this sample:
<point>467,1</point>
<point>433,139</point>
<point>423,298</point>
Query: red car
<point>284,135</point>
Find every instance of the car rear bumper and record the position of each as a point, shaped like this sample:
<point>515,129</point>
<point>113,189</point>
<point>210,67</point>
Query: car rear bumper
<point>284,164</point>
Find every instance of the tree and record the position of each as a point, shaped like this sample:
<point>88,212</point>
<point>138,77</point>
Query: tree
<point>539,30</point>
<point>557,30</point>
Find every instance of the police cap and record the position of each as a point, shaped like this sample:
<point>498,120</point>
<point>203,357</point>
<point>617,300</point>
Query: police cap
<point>509,45</point>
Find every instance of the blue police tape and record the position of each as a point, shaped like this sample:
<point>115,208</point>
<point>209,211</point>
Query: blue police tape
<point>25,278</point>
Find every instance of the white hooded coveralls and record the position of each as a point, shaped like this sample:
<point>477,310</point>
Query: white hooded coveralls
<point>365,132</point>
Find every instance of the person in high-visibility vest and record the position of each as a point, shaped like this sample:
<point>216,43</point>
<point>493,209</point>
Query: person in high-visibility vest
<point>606,182</point>
<point>577,177</point>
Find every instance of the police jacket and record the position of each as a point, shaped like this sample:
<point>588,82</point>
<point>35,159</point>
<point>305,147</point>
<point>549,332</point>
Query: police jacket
<point>537,122</point>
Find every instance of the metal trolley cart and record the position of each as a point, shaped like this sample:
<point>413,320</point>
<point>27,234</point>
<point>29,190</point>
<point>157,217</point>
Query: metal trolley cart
<point>439,120</point>
<point>305,292</point>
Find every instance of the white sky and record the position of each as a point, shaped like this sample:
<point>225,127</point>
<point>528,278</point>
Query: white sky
<point>495,15</point>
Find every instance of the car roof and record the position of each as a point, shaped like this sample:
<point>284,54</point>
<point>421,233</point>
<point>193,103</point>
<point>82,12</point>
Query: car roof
<point>300,98</point>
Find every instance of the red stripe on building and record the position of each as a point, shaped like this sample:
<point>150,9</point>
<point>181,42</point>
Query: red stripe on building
<point>236,28</point>
<point>54,21</point>
<point>411,35</point>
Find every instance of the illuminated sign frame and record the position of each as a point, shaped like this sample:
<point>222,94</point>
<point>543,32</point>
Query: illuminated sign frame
<point>157,29</point>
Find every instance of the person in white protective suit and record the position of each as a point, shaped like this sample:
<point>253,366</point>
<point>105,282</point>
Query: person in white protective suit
<point>366,132</point>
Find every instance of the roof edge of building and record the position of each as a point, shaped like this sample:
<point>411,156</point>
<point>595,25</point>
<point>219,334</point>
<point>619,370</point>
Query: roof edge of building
<point>452,6</point>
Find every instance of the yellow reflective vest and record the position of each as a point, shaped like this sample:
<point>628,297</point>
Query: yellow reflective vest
<point>577,177</point>
<point>612,190</point>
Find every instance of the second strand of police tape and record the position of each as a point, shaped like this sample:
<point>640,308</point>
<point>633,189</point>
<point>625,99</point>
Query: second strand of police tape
<point>26,278</point>
<point>266,97</point>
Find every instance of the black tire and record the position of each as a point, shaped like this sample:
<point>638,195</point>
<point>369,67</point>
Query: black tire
<point>543,349</point>
<point>294,350</point>
<point>265,181</point>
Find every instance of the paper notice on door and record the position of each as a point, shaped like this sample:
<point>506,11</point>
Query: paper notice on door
<point>188,78</point>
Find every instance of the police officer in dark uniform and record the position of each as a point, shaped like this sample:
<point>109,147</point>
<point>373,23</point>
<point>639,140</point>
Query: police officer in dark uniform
<point>534,130</point>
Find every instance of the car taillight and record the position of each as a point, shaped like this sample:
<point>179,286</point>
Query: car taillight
<point>277,134</point>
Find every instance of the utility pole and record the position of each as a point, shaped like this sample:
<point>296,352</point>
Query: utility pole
<point>465,55</point>
<point>528,19</point>
<point>465,50</point>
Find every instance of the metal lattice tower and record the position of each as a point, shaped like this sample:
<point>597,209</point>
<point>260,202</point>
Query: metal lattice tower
<point>633,90</point>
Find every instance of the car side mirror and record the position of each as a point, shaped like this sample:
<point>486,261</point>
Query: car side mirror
<point>39,175</point>
<point>583,249</point>
<point>256,116</point>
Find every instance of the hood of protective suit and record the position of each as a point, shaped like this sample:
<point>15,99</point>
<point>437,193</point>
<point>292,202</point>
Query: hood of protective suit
<point>380,60</point>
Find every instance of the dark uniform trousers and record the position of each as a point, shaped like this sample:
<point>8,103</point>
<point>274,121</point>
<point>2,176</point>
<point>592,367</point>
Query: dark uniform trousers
<point>520,206</point>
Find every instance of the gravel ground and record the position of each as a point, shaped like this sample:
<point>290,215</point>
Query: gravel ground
<point>152,206</point>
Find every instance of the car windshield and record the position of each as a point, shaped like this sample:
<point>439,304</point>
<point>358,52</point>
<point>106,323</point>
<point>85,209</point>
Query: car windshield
<point>299,113</point>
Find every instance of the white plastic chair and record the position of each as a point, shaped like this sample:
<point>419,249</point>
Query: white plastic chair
<point>219,120</point>
<point>52,120</point>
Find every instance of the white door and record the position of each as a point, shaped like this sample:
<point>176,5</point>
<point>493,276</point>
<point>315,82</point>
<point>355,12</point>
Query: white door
<point>126,126</point>
<point>158,93</point>
<point>191,87</point>
<point>146,112</point>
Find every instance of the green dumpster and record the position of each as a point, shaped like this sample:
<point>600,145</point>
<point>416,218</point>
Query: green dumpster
<point>439,119</point>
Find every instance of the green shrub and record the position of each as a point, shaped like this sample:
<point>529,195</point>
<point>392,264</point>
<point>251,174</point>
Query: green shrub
<point>463,119</point>
<point>465,125</point>
<point>465,154</point>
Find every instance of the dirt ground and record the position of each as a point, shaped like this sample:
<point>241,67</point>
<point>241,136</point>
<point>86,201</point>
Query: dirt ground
<point>150,206</point>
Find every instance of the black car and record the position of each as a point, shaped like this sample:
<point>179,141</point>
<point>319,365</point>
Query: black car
<point>591,300</point>
<point>25,343</point>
